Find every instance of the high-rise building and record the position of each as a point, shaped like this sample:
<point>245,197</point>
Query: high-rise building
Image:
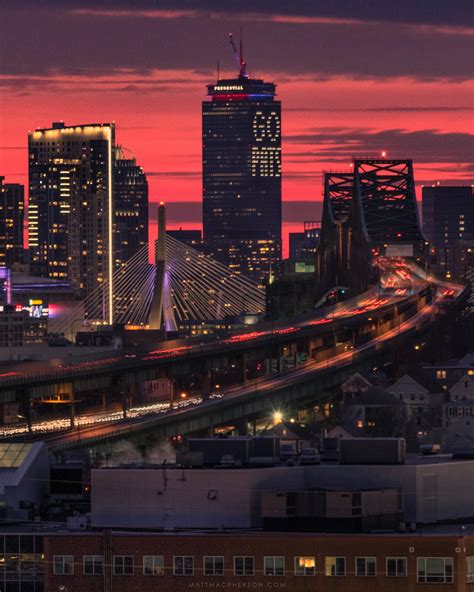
<point>70,211</point>
<point>241,134</point>
<point>12,208</point>
<point>191,238</point>
<point>130,198</point>
<point>448,222</point>
<point>303,245</point>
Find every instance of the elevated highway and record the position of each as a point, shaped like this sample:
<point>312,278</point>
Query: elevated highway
<point>363,311</point>
<point>259,396</point>
<point>336,342</point>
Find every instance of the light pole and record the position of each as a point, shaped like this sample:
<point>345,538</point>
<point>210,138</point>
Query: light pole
<point>334,298</point>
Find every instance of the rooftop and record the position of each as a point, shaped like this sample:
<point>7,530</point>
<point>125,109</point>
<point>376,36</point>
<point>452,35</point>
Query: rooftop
<point>12,455</point>
<point>15,459</point>
<point>241,88</point>
<point>411,460</point>
<point>466,361</point>
<point>443,530</point>
<point>374,396</point>
<point>23,280</point>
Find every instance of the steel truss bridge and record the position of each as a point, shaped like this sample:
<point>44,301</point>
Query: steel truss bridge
<point>368,212</point>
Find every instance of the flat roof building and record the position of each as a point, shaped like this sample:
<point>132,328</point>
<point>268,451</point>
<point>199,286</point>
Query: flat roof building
<point>433,489</point>
<point>122,561</point>
<point>448,221</point>
<point>130,209</point>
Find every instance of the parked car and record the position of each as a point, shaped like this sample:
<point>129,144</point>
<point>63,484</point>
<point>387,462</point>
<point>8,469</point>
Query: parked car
<point>310,456</point>
<point>287,452</point>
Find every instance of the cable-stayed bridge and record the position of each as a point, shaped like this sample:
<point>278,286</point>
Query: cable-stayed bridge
<point>194,287</point>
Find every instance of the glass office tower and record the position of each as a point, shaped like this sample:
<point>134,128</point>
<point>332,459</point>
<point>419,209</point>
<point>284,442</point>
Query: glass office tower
<point>12,207</point>
<point>448,223</point>
<point>130,196</point>
<point>241,129</point>
<point>70,210</point>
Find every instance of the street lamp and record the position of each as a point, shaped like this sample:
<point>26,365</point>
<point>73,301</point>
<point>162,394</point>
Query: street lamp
<point>277,417</point>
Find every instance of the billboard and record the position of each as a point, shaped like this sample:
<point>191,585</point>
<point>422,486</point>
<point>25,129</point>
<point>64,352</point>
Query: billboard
<point>303,267</point>
<point>399,250</point>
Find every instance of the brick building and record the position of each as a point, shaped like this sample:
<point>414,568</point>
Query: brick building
<point>441,559</point>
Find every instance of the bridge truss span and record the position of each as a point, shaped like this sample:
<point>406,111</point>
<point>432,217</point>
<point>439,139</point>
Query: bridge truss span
<point>333,253</point>
<point>368,212</point>
<point>385,202</point>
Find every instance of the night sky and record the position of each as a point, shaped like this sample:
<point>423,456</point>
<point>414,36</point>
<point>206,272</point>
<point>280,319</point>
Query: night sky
<point>354,77</point>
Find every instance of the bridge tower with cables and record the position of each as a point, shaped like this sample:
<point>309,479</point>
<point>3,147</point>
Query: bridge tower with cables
<point>160,299</point>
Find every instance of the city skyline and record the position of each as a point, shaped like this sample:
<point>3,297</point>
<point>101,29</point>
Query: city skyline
<point>338,102</point>
<point>237,347</point>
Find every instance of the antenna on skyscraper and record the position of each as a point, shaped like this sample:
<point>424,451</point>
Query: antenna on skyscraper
<point>241,49</point>
<point>241,65</point>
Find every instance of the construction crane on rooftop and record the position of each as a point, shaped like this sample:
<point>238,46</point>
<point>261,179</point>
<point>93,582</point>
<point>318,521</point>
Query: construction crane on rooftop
<point>239,56</point>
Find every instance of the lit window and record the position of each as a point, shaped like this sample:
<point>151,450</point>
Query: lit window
<point>335,566</point>
<point>305,566</point>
